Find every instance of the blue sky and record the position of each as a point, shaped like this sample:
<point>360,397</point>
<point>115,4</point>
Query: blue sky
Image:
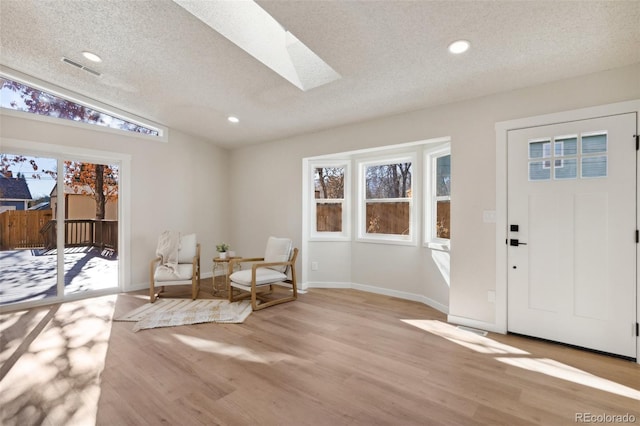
<point>38,187</point>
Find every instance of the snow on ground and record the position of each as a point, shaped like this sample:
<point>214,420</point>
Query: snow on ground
<point>27,275</point>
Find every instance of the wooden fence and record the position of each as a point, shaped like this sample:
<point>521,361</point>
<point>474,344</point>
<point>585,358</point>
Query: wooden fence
<point>388,218</point>
<point>20,229</point>
<point>29,229</point>
<point>382,218</point>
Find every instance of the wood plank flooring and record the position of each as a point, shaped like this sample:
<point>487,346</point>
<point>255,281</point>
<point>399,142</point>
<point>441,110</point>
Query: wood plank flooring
<point>333,357</point>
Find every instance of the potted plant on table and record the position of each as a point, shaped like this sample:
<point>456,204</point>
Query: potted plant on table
<point>222,249</point>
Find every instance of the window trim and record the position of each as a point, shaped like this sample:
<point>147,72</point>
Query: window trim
<point>163,131</point>
<point>430,198</point>
<point>345,234</point>
<point>362,235</point>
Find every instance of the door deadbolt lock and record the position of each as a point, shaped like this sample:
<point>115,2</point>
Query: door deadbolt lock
<point>514,242</point>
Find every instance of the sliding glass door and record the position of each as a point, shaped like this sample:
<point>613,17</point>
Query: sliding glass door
<point>90,226</point>
<point>28,258</point>
<point>58,228</point>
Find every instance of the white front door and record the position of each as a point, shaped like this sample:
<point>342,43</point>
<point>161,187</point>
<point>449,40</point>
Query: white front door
<point>572,233</point>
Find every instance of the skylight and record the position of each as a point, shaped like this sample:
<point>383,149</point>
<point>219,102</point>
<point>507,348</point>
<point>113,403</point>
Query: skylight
<point>252,29</point>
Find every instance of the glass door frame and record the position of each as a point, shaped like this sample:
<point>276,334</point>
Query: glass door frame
<point>60,154</point>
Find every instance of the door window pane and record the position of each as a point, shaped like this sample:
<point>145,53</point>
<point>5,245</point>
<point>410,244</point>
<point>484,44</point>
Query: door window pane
<point>539,170</point>
<point>540,149</point>
<point>594,144</point>
<point>593,167</point>
<point>566,147</point>
<point>90,194</point>
<point>565,169</point>
<point>28,256</point>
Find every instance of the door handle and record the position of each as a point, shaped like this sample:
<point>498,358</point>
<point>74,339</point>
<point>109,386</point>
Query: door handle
<point>514,242</point>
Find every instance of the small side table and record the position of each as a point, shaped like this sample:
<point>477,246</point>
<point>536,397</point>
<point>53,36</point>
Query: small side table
<point>221,283</point>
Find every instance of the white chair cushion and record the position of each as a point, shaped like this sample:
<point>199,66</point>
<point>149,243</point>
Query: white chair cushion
<point>182,273</point>
<point>187,248</point>
<point>263,276</point>
<point>278,250</point>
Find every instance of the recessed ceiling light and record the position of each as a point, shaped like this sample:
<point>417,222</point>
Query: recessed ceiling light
<point>233,119</point>
<point>92,56</point>
<point>459,46</point>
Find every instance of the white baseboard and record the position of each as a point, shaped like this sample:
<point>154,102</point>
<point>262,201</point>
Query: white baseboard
<point>326,284</point>
<point>481,325</point>
<point>379,290</point>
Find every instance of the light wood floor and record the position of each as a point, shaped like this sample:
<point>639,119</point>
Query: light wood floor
<point>334,357</point>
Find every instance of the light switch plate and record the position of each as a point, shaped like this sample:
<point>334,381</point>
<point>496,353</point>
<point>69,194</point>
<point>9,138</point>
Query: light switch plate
<point>489,216</point>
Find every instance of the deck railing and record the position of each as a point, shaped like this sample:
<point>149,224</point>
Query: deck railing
<point>83,232</point>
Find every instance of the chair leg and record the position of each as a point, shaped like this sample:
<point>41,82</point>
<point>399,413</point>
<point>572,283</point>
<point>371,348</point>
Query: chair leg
<point>195,288</point>
<point>152,293</point>
<point>254,300</point>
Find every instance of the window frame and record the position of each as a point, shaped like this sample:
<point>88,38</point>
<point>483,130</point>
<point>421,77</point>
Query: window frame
<point>69,96</point>
<point>345,234</point>
<point>431,198</point>
<point>362,235</point>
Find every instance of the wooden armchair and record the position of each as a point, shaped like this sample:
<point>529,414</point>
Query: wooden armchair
<point>186,271</point>
<point>266,272</point>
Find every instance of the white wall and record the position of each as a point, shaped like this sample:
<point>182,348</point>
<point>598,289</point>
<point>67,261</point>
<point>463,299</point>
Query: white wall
<point>177,185</point>
<point>244,196</point>
<point>266,184</point>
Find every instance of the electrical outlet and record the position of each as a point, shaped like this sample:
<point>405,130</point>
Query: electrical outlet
<point>491,296</point>
<point>314,266</point>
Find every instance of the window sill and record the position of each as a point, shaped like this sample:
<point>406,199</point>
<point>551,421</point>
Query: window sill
<point>387,240</point>
<point>330,238</point>
<point>438,246</point>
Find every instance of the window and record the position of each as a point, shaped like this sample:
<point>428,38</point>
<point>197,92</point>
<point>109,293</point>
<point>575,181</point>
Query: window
<point>18,96</point>
<point>594,155</point>
<point>539,165</point>
<point>330,207</point>
<point>386,203</point>
<point>566,157</point>
<point>564,163</point>
<point>438,198</point>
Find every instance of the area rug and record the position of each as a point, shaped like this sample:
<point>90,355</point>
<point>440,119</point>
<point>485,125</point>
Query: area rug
<point>174,312</point>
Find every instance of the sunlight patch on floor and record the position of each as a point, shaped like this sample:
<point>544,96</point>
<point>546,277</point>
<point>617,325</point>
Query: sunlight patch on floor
<point>232,351</point>
<point>54,377</point>
<point>571,374</point>
<point>522,359</point>
<point>465,338</point>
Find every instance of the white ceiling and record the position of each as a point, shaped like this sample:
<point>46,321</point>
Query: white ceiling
<point>162,63</point>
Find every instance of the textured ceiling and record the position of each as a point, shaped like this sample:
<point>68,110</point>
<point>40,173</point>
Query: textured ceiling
<point>161,63</point>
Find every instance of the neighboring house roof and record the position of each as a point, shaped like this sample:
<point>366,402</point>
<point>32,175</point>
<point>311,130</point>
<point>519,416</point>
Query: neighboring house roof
<point>45,205</point>
<point>68,189</point>
<point>14,188</point>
